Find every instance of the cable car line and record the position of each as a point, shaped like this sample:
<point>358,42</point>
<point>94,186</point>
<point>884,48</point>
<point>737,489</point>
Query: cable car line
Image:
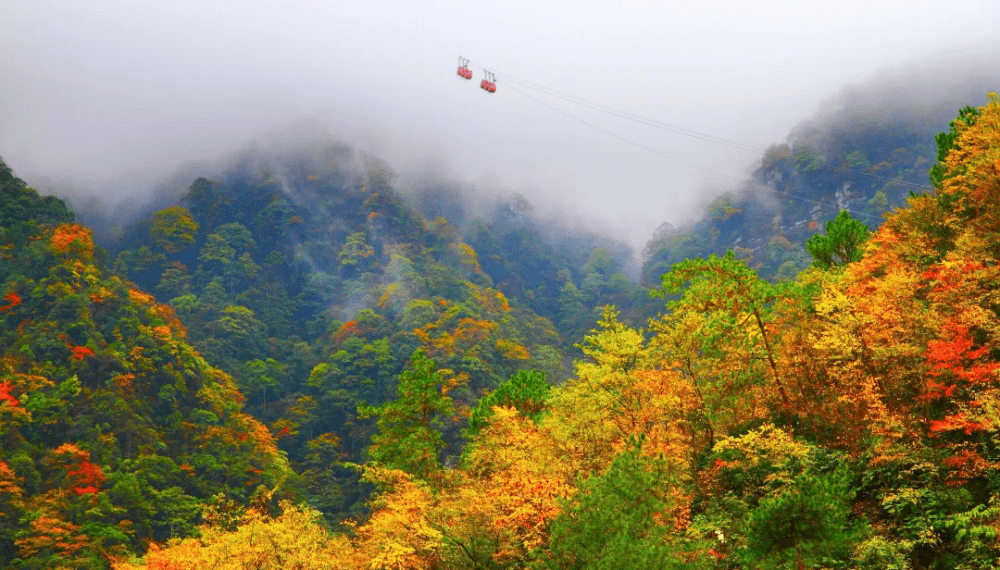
<point>682,130</point>
<point>682,161</point>
<point>631,116</point>
<point>696,134</point>
<point>644,120</point>
<point>615,135</point>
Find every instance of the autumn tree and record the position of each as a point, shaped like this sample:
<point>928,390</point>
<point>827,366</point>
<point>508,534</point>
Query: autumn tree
<point>293,539</point>
<point>720,335</point>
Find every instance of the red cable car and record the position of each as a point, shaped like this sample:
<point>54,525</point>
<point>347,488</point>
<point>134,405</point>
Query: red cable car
<point>463,68</point>
<point>489,82</point>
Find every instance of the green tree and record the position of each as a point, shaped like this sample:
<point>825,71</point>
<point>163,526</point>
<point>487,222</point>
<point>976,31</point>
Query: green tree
<point>175,281</point>
<point>946,141</point>
<point>216,252</point>
<point>841,244</point>
<point>615,522</point>
<point>173,229</point>
<point>354,251</point>
<point>410,427</point>
<point>526,390</point>
<point>260,376</point>
<point>237,236</point>
<point>806,526</point>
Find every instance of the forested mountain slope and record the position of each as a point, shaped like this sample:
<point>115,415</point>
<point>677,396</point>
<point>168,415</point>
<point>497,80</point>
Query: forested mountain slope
<point>844,419</point>
<point>865,152</point>
<point>311,280</point>
<point>113,430</point>
<point>563,272</point>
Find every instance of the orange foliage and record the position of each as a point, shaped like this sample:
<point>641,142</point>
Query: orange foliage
<point>124,380</point>
<point>9,484</point>
<point>137,297</point>
<point>49,531</point>
<point>69,238</point>
<point>20,383</point>
<point>953,363</point>
<point>525,475</point>
<point>162,333</point>
<point>349,329</point>
<point>398,534</point>
<point>475,330</point>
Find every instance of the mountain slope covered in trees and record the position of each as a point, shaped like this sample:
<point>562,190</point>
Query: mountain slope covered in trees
<point>310,280</point>
<point>865,152</point>
<point>114,431</point>
<point>847,418</point>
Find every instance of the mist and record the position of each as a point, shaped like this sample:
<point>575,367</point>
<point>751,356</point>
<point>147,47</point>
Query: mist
<point>123,100</point>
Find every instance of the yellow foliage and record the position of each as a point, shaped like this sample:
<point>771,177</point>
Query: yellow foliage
<point>294,539</point>
<point>525,473</point>
<point>468,257</point>
<point>139,298</point>
<point>512,350</point>
<point>398,535</point>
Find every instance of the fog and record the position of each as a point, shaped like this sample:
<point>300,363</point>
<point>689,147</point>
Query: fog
<point>111,98</point>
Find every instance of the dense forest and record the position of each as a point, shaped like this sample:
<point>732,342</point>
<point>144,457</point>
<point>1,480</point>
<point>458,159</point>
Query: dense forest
<point>295,365</point>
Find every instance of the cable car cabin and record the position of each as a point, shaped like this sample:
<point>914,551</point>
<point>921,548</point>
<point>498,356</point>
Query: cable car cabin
<point>463,68</point>
<point>489,81</point>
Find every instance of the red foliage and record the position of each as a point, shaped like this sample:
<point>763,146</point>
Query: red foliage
<point>80,352</point>
<point>84,477</point>
<point>5,394</point>
<point>953,363</point>
<point>13,300</point>
<point>957,422</point>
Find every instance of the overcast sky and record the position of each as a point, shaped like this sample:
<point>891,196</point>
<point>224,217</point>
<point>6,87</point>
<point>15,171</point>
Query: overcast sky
<point>116,95</point>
